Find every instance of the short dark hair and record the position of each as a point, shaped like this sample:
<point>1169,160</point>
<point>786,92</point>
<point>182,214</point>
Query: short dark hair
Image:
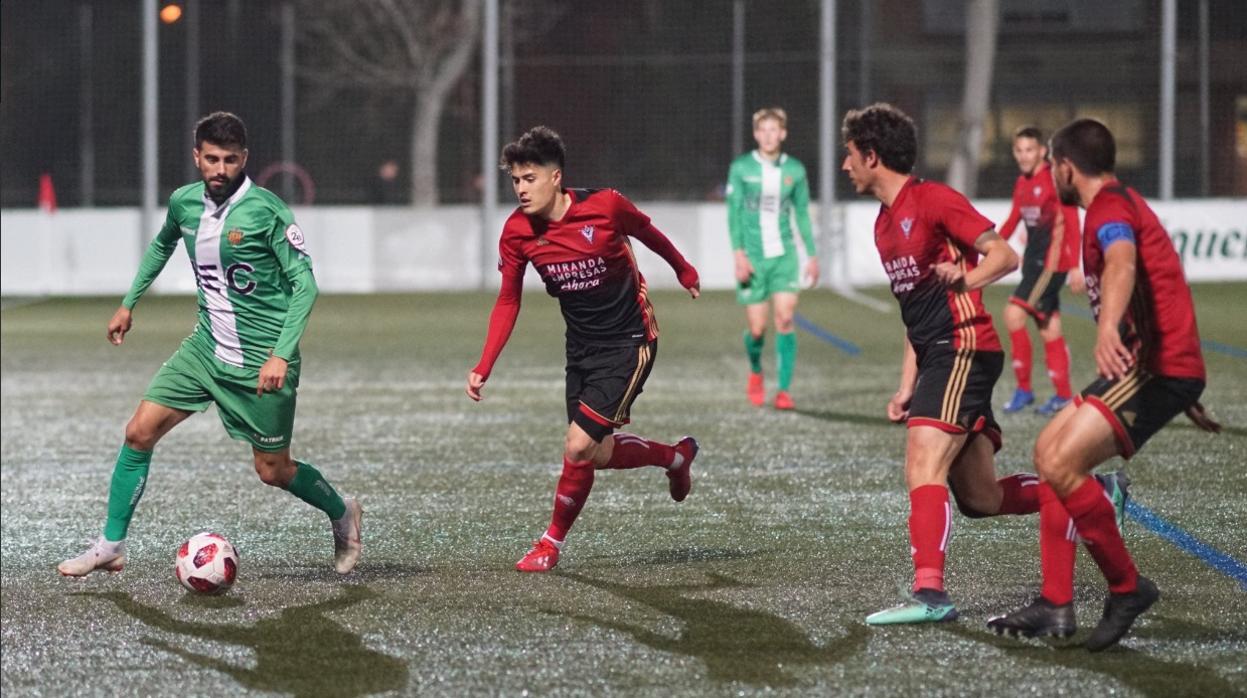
<point>1088,144</point>
<point>1031,132</point>
<point>221,128</point>
<point>885,130</point>
<point>539,146</point>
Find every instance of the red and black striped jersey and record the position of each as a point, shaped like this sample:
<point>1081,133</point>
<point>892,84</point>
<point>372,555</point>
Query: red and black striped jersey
<point>1035,202</point>
<point>929,223</point>
<point>1159,324</point>
<point>585,260</point>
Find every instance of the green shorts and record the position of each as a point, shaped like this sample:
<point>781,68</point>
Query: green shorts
<point>192,379</point>
<point>775,275</point>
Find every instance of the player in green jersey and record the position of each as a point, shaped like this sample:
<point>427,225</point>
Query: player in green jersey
<point>765,189</point>
<point>256,292</point>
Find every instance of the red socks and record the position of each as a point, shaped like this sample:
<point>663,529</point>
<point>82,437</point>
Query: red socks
<point>1056,354</point>
<point>569,497</point>
<point>1096,522</point>
<point>1056,547</point>
<point>1020,494</point>
<point>1021,341</point>
<point>930,524</point>
<point>632,451</point>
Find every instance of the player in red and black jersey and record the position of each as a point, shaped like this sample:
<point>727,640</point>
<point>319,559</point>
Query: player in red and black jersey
<point>578,241</point>
<point>1052,251</point>
<point>1148,356</point>
<point>938,252</point>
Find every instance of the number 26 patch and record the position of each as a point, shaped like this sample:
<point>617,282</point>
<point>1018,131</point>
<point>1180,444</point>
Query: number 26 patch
<point>294,235</point>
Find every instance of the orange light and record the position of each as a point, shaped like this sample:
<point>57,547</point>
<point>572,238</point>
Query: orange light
<point>170,13</point>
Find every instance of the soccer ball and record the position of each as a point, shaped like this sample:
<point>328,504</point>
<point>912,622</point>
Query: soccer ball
<point>207,564</point>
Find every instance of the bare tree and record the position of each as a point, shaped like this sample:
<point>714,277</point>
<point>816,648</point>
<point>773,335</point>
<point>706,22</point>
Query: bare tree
<point>982,21</point>
<point>421,47</point>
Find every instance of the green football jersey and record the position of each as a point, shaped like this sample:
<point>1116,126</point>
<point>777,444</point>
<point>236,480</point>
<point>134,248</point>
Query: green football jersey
<point>254,276</point>
<point>762,198</point>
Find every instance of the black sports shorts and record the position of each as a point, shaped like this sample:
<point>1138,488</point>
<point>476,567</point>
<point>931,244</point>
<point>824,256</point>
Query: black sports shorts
<point>603,382</point>
<point>1139,404</point>
<point>954,391</point>
<point>1039,293</point>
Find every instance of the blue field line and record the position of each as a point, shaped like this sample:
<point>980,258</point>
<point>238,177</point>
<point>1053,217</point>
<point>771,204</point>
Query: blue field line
<point>1219,347</point>
<point>840,343</point>
<point>1171,532</point>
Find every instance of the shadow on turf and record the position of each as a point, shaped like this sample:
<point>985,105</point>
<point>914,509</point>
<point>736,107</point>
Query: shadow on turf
<point>300,652</point>
<point>847,417</point>
<point>736,644</point>
<point>1146,673</point>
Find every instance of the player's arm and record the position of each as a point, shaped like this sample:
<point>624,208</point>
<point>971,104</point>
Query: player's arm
<point>654,239</point>
<point>154,260</point>
<point>736,224</point>
<point>1056,245</point>
<point>1011,223</point>
<point>286,240</point>
<point>998,259</point>
<point>898,406</point>
<point>801,210</point>
<point>501,323</point>
<point>1073,237</point>
<point>1112,358</point>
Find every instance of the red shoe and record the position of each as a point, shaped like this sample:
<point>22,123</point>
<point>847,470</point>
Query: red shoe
<point>783,401</point>
<point>542,558</point>
<point>754,391</point>
<point>679,480</point>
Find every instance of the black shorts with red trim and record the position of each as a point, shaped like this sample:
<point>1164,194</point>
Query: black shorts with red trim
<point>954,391</point>
<point>603,382</point>
<point>1138,404</point>
<point>1039,293</point>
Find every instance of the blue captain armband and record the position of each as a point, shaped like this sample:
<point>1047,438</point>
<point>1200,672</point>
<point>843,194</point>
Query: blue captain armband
<point>1116,231</point>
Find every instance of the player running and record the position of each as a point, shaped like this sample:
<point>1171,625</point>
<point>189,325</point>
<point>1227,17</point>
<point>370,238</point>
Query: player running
<point>1051,252</point>
<point>256,292</point>
<point>1148,357</point>
<point>765,189</point>
<point>930,240</point>
<point>577,240</point>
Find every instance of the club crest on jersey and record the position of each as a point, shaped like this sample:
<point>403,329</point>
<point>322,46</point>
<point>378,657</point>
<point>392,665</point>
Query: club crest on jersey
<point>294,235</point>
<point>1037,189</point>
<point>588,231</point>
<point>788,181</point>
<point>906,225</point>
<point>234,236</point>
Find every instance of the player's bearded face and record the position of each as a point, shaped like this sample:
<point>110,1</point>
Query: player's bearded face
<point>1063,178</point>
<point>858,169</point>
<point>1028,153</point>
<point>536,187</point>
<point>220,166</point>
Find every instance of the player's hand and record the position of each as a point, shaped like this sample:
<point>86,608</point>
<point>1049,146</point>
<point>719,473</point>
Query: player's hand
<point>744,268</point>
<point>272,376</point>
<point>690,280</point>
<point>119,326</point>
<point>1197,414</point>
<point>898,406</point>
<point>1077,282</point>
<point>1112,359</point>
<point>811,272</point>
<point>475,382</point>
<point>950,275</point>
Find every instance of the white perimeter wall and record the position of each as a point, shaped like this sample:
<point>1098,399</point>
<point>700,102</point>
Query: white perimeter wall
<point>360,249</point>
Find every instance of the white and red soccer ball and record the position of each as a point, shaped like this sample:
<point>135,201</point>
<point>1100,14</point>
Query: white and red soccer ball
<point>207,564</point>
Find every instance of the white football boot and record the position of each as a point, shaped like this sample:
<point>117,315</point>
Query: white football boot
<point>347,545</point>
<point>102,555</point>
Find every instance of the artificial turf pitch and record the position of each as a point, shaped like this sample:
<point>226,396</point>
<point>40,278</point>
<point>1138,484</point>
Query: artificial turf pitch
<point>759,582</point>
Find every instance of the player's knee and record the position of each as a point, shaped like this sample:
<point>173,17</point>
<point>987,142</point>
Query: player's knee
<point>783,325</point>
<point>274,469</point>
<point>1052,465</point>
<point>967,506</point>
<point>139,436</point>
<point>578,448</point>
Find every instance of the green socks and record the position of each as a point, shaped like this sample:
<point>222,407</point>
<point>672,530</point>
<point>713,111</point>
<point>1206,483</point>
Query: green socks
<point>310,486</point>
<point>753,347</point>
<point>785,358</point>
<point>129,478</point>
